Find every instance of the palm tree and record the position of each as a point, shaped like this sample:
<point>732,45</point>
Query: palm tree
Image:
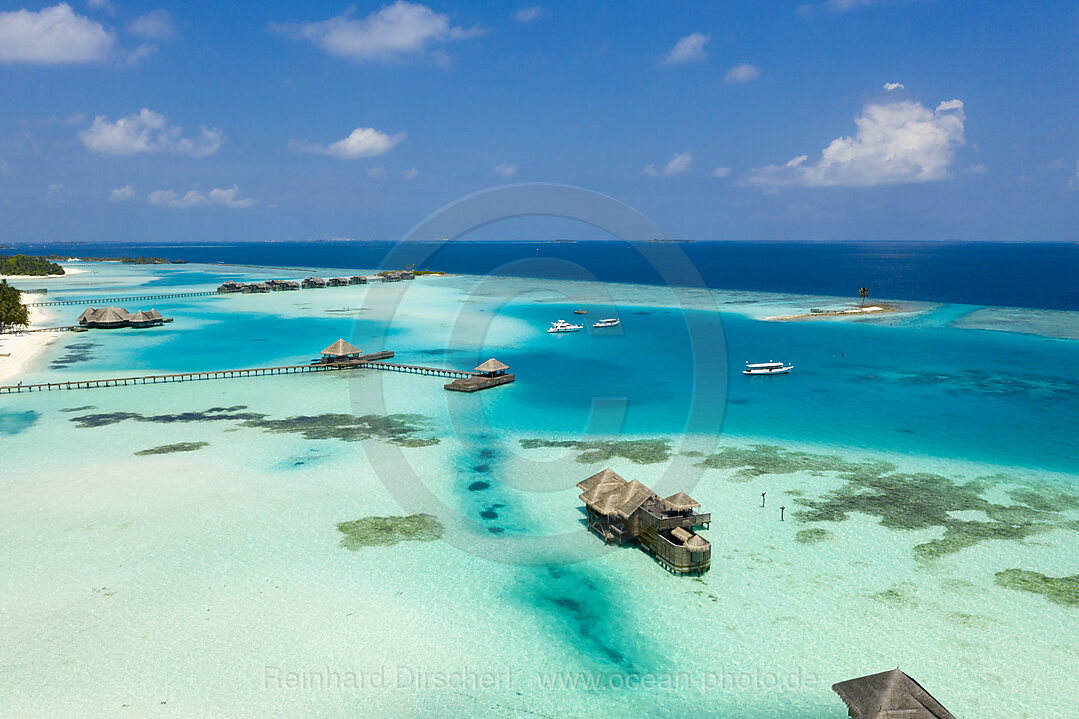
<point>863,293</point>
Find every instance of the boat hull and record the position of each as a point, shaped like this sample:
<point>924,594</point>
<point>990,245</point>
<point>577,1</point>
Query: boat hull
<point>781,370</point>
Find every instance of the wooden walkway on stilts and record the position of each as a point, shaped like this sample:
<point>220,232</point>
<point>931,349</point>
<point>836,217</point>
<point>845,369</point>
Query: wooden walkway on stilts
<point>369,361</point>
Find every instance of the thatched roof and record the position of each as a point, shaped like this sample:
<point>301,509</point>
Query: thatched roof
<point>889,694</point>
<point>141,316</point>
<point>625,500</point>
<point>86,314</point>
<point>697,542</point>
<point>154,314</point>
<point>681,534</point>
<point>599,486</point>
<point>601,477</point>
<point>340,348</point>
<point>681,501</point>
<point>106,315</point>
<point>492,365</point>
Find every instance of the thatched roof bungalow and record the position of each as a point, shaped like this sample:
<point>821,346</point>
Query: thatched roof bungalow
<point>629,512</point>
<point>313,283</point>
<point>340,351</point>
<point>337,282</point>
<point>357,280</point>
<point>889,694</point>
<point>230,286</point>
<point>114,317</point>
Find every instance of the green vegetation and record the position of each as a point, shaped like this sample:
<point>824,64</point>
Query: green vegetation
<point>1059,590</point>
<point>170,448</point>
<point>140,260</point>
<point>386,531</point>
<point>639,451</point>
<point>863,293</point>
<point>28,265</point>
<point>13,313</point>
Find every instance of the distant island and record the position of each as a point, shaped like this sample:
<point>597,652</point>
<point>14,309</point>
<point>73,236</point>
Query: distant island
<point>140,260</point>
<point>28,265</point>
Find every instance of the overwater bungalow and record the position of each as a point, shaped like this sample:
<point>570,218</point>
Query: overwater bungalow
<point>629,512</point>
<point>889,694</point>
<point>256,287</point>
<point>313,283</point>
<point>489,374</point>
<point>229,287</point>
<point>357,280</point>
<point>282,285</point>
<point>114,317</point>
<point>340,351</point>
<point>337,282</point>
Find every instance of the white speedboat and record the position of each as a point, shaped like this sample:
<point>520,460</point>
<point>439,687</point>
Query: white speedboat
<point>767,368</point>
<point>610,322</point>
<point>563,326</point>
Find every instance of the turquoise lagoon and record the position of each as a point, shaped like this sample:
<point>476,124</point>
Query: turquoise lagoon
<point>174,550</point>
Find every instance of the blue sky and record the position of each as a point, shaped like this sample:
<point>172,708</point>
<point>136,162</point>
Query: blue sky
<point>831,120</point>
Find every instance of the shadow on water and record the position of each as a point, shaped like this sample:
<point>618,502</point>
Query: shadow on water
<point>15,422</point>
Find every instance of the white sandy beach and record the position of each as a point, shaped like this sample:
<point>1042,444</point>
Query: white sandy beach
<point>18,350</point>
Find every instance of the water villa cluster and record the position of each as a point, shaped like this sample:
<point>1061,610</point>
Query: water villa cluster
<point>889,694</point>
<point>231,287</point>
<point>113,317</point>
<point>627,512</point>
<point>489,374</point>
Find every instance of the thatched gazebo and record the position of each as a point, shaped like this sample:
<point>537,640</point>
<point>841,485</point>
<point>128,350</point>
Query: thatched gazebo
<point>340,351</point>
<point>492,368</point>
<point>681,502</point>
<point>889,694</point>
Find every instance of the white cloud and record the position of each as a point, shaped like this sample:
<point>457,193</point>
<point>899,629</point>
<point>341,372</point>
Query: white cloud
<point>722,172</point>
<point>361,142</point>
<point>1073,183</point>
<point>379,171</point>
<point>54,192</point>
<point>410,174</point>
<point>901,142</point>
<point>147,131</point>
<point>890,86</point>
<point>506,170</point>
<point>528,14</point>
<point>120,194</point>
<point>52,35</point>
<point>836,6</point>
<point>978,169</point>
<point>679,163</point>
<point>154,25</point>
<point>691,47</point>
<point>196,198</point>
<point>742,72</point>
<point>102,5</point>
<point>392,32</point>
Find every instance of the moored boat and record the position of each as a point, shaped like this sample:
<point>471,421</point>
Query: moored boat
<point>610,322</point>
<point>767,368</point>
<point>563,326</point>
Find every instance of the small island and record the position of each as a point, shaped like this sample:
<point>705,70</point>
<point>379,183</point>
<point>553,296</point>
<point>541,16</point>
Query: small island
<point>28,266</point>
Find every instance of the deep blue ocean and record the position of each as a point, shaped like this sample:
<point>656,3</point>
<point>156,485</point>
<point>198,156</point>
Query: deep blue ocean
<point>1037,275</point>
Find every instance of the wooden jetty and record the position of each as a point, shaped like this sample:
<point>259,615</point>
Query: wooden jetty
<point>489,374</point>
<point>338,356</point>
<point>126,300</point>
<point>629,512</point>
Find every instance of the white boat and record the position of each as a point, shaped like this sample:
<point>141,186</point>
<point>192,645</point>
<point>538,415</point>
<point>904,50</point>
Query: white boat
<point>563,326</point>
<point>610,322</point>
<point>767,368</point>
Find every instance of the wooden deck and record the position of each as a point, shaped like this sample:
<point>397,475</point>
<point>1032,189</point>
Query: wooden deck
<point>474,382</point>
